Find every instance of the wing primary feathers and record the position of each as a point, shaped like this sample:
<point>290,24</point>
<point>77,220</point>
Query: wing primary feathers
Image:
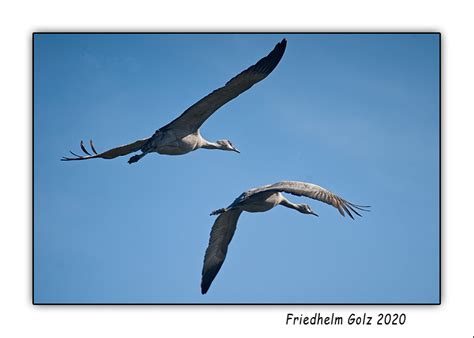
<point>341,209</point>
<point>360,207</point>
<point>267,64</point>
<point>353,210</point>
<point>92,147</point>
<point>347,210</point>
<point>109,154</point>
<point>84,148</point>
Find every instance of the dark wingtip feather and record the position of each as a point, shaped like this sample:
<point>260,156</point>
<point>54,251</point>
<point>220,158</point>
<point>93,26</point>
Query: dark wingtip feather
<point>339,208</point>
<point>353,210</point>
<point>208,277</point>
<point>359,207</point>
<point>353,207</point>
<point>74,154</point>
<point>84,148</point>
<point>267,64</point>
<point>92,147</point>
<point>347,210</point>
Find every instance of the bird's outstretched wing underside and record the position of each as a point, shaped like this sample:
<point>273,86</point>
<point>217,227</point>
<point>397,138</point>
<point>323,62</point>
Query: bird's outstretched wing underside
<point>193,117</point>
<point>221,234</point>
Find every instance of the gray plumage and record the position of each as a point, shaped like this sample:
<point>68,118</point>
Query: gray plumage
<point>182,135</point>
<point>260,200</point>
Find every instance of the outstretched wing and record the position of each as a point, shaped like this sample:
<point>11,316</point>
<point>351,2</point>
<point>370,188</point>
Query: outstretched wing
<point>197,114</point>
<point>109,154</point>
<point>315,192</point>
<point>221,234</point>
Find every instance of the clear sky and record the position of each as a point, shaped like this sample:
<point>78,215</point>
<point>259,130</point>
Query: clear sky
<point>356,114</point>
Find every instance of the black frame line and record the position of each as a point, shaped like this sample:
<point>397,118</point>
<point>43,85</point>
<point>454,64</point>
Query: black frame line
<point>247,33</point>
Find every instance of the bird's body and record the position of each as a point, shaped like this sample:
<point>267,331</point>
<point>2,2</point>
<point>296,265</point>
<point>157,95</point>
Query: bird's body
<point>182,135</point>
<point>170,144</point>
<point>260,200</point>
<point>179,146</point>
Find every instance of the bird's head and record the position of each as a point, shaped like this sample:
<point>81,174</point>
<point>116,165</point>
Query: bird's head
<point>306,209</point>
<point>227,145</point>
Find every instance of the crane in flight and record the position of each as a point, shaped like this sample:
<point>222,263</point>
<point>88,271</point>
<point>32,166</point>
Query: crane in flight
<point>182,135</point>
<point>260,200</point>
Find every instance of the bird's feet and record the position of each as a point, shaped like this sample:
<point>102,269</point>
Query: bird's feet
<point>134,159</point>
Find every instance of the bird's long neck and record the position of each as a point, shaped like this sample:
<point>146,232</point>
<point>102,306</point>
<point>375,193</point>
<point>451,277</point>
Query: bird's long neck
<point>290,205</point>
<point>209,145</point>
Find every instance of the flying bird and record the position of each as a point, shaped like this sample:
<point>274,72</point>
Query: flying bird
<point>260,200</point>
<point>182,135</point>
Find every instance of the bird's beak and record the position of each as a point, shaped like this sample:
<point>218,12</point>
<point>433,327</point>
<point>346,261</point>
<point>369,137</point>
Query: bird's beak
<point>315,214</point>
<point>236,150</point>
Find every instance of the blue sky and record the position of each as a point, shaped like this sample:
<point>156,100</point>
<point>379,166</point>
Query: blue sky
<point>356,114</point>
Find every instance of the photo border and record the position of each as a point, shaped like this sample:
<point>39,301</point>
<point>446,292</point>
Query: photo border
<point>243,33</point>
